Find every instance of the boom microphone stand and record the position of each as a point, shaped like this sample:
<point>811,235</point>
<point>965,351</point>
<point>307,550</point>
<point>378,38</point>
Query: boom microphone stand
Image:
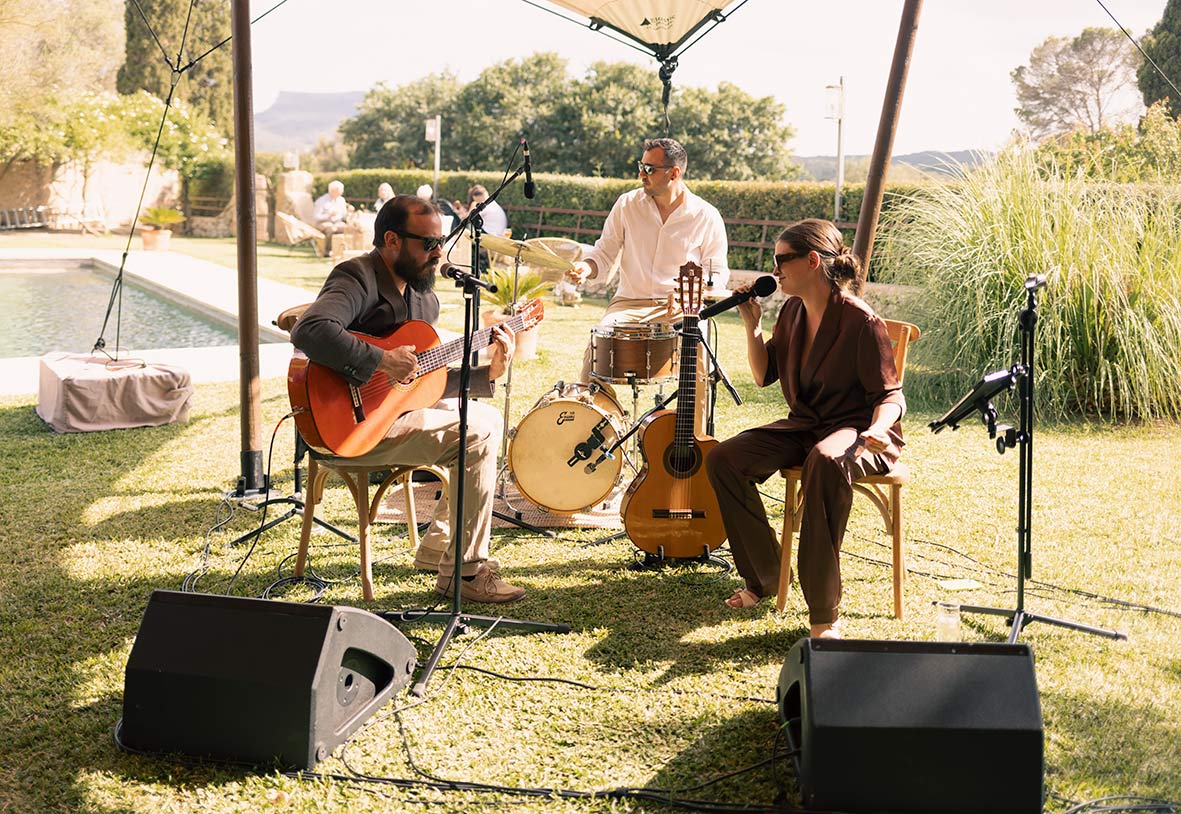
<point>456,620</point>
<point>980,399</point>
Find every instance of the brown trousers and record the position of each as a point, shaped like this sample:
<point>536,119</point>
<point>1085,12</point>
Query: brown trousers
<point>830,464</point>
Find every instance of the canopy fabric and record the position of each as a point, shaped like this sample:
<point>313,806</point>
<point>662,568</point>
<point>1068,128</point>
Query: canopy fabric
<point>660,25</point>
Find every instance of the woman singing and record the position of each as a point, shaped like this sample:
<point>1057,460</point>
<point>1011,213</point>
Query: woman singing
<point>832,358</point>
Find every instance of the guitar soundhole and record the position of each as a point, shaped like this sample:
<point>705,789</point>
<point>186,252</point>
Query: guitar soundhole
<point>682,461</point>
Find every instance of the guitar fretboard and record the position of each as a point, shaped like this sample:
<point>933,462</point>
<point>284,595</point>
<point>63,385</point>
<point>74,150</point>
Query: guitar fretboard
<point>687,382</point>
<point>452,351</point>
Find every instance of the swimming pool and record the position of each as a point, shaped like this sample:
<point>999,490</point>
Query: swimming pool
<point>56,308</point>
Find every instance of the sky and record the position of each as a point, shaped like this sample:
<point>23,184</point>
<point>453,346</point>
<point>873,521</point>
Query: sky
<point>958,94</point>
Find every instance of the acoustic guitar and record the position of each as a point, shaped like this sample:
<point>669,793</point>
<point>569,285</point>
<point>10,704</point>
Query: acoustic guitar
<point>670,509</point>
<point>338,418</point>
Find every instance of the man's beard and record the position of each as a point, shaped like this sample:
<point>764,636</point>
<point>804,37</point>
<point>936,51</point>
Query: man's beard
<point>420,278</point>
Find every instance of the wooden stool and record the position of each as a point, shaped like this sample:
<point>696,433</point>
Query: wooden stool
<point>357,480</point>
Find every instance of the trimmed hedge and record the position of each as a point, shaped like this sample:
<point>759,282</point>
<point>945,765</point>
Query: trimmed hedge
<point>744,200</point>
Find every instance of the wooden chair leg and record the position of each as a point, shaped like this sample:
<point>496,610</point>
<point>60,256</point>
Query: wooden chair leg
<point>790,503</point>
<point>899,552</point>
<point>315,489</point>
<point>358,483</point>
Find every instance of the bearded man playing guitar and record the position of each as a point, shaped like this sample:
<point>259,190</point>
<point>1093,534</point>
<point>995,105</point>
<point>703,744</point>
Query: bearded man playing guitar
<point>373,295</point>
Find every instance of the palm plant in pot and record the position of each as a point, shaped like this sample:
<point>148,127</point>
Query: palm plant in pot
<point>529,286</point>
<point>156,222</point>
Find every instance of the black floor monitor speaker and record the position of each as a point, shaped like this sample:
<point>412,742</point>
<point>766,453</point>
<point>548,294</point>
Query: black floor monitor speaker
<point>914,726</point>
<point>256,680</point>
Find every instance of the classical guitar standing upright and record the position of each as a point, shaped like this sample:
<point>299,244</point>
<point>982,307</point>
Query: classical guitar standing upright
<point>670,509</point>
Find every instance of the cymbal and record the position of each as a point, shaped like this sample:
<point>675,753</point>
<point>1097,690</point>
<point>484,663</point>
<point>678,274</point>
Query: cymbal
<point>530,254</point>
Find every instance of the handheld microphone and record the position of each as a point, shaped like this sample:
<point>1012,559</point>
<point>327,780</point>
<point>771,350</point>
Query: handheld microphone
<point>764,286</point>
<point>530,189</point>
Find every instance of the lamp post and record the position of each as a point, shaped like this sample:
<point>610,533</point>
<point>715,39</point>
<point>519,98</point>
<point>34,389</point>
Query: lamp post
<point>434,132</point>
<point>835,109</point>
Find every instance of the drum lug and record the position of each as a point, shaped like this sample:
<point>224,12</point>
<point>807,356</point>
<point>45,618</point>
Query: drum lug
<point>512,433</point>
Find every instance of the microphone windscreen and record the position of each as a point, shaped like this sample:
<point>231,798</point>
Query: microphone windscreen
<point>764,286</point>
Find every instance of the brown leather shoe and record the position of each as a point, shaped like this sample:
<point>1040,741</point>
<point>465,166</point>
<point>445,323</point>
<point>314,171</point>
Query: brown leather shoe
<point>487,586</point>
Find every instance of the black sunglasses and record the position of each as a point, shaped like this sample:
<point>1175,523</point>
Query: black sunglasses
<point>648,169</point>
<point>780,259</point>
<point>428,243</point>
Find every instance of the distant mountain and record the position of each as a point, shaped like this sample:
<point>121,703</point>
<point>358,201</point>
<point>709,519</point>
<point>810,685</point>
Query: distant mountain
<point>296,120</point>
<point>935,162</point>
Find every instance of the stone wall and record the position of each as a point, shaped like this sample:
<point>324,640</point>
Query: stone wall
<point>108,194</point>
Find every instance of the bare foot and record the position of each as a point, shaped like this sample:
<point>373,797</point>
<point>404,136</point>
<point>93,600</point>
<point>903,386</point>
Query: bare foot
<point>828,630</point>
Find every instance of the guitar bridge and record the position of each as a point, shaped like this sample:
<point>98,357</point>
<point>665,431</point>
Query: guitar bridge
<point>358,406</point>
<point>678,514</point>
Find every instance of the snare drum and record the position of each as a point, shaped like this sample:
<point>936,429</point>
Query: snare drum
<point>558,440</point>
<point>641,352</point>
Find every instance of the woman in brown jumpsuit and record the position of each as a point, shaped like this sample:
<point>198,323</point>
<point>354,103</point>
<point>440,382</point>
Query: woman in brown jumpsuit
<point>832,358</point>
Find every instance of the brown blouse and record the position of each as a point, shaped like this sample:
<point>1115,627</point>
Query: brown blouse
<point>849,370</point>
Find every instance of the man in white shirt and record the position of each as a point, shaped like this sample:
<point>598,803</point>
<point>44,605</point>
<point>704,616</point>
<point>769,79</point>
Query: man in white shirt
<point>653,231</point>
<point>330,213</point>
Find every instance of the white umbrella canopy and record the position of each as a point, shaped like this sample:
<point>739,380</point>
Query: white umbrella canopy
<point>661,26</point>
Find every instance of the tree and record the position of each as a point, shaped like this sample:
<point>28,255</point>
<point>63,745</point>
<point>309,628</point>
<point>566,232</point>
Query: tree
<point>1077,84</point>
<point>1163,46</point>
<point>732,135</point>
<point>609,111</point>
<point>208,86</point>
<point>53,53</point>
<point>509,101</point>
<point>388,130</point>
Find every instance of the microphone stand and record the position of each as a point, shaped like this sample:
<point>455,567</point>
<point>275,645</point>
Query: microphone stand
<point>475,220</point>
<point>715,376</point>
<point>1022,437</point>
<point>456,621</point>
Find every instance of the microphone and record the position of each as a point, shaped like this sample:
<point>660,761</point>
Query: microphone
<point>763,287</point>
<point>460,277</point>
<point>530,189</point>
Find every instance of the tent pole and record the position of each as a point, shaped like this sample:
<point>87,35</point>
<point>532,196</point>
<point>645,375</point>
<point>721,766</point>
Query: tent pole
<point>251,480</point>
<point>871,203</point>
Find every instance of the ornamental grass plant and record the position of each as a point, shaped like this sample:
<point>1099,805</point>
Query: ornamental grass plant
<point>1108,339</point>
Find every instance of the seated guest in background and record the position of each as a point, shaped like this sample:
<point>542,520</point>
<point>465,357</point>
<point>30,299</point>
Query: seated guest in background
<point>495,218</point>
<point>833,360</point>
<point>450,219</point>
<point>373,294</point>
<point>330,213</point>
<point>384,193</point>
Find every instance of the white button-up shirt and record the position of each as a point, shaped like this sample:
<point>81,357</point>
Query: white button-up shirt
<point>651,253</point>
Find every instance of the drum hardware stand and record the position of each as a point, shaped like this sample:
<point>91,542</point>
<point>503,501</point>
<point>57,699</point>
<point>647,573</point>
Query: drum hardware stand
<point>980,399</point>
<point>502,464</point>
<point>456,620</point>
<point>661,403</point>
<point>717,374</point>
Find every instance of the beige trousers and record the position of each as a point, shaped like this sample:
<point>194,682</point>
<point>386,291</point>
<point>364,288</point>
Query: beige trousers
<point>431,436</point>
<point>622,309</point>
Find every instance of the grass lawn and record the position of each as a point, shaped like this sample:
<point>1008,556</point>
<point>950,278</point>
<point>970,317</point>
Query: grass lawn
<point>92,523</point>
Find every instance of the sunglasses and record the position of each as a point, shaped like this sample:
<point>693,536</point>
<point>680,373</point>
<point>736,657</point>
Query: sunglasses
<point>781,259</point>
<point>428,243</point>
<point>648,169</point>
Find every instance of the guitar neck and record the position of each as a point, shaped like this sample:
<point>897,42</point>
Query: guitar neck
<point>687,384</point>
<point>451,352</point>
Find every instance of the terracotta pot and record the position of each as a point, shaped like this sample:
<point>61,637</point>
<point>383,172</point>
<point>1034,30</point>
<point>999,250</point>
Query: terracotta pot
<point>526,340</point>
<point>155,240</point>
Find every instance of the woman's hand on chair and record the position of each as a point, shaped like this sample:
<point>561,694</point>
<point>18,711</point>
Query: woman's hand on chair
<point>875,440</point>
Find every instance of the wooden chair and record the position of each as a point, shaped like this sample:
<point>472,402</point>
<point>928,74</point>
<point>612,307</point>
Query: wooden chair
<point>356,478</point>
<point>884,490</point>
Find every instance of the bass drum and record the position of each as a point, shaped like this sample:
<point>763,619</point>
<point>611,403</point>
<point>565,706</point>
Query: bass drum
<point>563,434</point>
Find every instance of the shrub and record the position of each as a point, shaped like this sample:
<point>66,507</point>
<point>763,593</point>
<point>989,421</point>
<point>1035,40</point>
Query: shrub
<point>1108,339</point>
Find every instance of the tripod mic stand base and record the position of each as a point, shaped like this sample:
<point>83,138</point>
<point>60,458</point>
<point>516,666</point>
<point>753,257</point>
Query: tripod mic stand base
<point>518,522</point>
<point>459,623</point>
<point>1018,619</point>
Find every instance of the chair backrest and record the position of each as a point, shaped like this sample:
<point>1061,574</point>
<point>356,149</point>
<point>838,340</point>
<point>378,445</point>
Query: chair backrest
<point>901,335</point>
<point>286,319</point>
